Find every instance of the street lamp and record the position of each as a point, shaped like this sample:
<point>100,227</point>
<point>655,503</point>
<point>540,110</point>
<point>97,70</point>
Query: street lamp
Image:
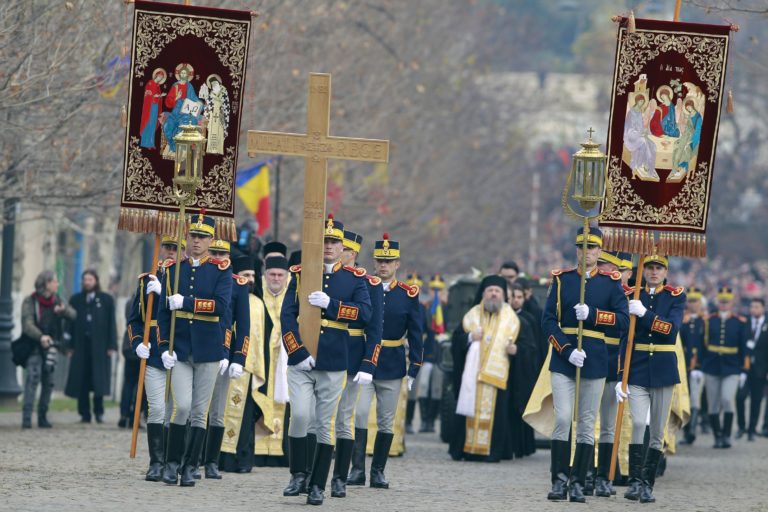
<point>586,186</point>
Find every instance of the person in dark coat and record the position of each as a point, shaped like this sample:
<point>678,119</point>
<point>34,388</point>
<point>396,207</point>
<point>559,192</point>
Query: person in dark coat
<point>94,342</point>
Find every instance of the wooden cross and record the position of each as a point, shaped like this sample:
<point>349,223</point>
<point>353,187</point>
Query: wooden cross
<point>317,146</point>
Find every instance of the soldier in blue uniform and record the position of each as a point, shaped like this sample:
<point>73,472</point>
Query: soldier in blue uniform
<point>402,319</point>
<point>725,363</point>
<point>605,305</point>
<point>410,407</point>
<point>430,382</point>
<point>200,349</point>
<point>362,356</point>
<point>236,326</point>
<point>344,299</point>
<point>154,376</point>
<point>653,372</point>
<point>692,334</point>
<point>609,262</point>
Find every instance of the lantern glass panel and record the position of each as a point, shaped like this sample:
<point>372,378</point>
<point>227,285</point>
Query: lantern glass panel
<point>578,181</point>
<point>182,166</point>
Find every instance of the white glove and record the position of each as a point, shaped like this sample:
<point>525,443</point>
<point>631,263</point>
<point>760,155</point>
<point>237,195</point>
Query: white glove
<point>751,345</point>
<point>223,365</point>
<point>620,394</point>
<point>697,375</point>
<point>742,379</point>
<point>142,351</point>
<point>582,311</point>
<point>319,299</point>
<point>577,358</point>
<point>175,302</point>
<point>363,378</point>
<point>410,382</point>
<point>153,286</point>
<point>306,365</point>
<point>636,308</point>
<point>235,370</point>
<point>169,360</point>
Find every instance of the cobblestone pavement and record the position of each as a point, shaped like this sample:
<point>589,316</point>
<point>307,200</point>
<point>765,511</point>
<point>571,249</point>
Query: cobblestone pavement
<point>86,467</point>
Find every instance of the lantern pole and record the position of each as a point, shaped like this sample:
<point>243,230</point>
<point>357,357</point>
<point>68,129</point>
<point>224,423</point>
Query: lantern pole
<point>189,154</point>
<point>590,188</point>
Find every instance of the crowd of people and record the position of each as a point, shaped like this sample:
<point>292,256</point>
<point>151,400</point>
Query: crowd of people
<point>247,390</point>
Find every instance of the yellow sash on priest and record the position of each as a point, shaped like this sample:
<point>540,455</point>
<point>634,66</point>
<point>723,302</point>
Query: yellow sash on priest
<point>254,373</point>
<point>499,331</point>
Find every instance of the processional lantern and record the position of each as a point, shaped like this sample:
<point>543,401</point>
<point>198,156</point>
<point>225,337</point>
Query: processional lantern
<point>588,176</point>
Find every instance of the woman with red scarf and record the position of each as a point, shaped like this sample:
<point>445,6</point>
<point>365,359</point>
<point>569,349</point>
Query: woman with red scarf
<point>42,314</point>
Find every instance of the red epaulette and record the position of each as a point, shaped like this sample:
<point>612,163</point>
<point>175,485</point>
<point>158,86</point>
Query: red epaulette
<point>674,291</point>
<point>359,271</point>
<point>411,290</point>
<point>557,272</point>
<point>295,268</point>
<point>628,290</point>
<point>614,274</point>
<point>168,263</point>
<point>222,264</point>
<point>145,274</point>
<point>374,280</point>
<point>240,279</point>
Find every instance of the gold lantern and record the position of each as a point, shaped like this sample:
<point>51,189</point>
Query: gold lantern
<point>188,167</point>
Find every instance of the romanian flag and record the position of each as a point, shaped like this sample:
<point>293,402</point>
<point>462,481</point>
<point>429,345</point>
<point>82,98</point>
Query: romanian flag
<point>252,185</point>
<point>436,311</point>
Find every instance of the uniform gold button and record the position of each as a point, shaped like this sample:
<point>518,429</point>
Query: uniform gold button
<point>326,286</point>
<point>324,323</point>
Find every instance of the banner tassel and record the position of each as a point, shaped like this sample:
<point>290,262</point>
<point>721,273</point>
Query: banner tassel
<point>631,28</point>
<point>729,102</point>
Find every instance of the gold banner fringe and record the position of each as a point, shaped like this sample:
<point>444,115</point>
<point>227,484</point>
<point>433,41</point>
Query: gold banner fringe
<point>641,241</point>
<point>165,223</point>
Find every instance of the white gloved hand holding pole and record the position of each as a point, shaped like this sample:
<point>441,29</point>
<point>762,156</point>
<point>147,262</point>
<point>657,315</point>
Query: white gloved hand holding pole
<point>319,299</point>
<point>169,360</point>
<point>153,286</point>
<point>636,308</point>
<point>620,394</point>
<point>577,358</point>
<point>143,351</point>
<point>175,302</point>
<point>582,311</point>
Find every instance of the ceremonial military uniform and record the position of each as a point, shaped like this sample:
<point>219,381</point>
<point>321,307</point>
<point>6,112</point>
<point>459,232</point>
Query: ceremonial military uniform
<point>200,349</point>
<point>614,336</point>
<point>364,345</point>
<point>154,376</point>
<point>692,335</point>
<point>348,301</point>
<point>653,373</point>
<point>430,379</point>
<point>724,358</point>
<point>413,393</point>
<point>607,306</point>
<point>236,326</point>
<point>402,317</point>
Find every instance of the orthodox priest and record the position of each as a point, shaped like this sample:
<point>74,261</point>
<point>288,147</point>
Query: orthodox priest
<point>482,350</point>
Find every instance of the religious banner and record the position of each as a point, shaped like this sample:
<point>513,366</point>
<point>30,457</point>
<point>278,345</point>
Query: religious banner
<point>667,95</point>
<point>187,68</point>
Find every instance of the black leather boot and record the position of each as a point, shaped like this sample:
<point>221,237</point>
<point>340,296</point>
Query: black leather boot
<point>560,454</point>
<point>311,447</point>
<point>648,476</point>
<point>727,426</point>
<point>297,463</point>
<point>602,484</point>
<point>319,476</point>
<point>410,408</point>
<point>635,472</point>
<point>357,474</point>
<point>589,481</point>
<point>424,413</point>
<point>379,461</point>
<point>714,421</point>
<point>173,453</point>
<point>193,456</point>
<point>42,420</point>
<point>156,445</point>
<point>690,428</point>
<point>212,451</point>
<point>341,467</point>
<point>582,460</point>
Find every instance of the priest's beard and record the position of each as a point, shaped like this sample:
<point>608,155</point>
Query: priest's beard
<point>492,306</point>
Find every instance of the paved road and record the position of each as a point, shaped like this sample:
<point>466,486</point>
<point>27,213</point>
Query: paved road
<point>86,467</point>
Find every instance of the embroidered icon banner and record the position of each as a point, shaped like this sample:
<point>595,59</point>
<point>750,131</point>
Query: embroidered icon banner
<point>665,112</point>
<point>187,68</point>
